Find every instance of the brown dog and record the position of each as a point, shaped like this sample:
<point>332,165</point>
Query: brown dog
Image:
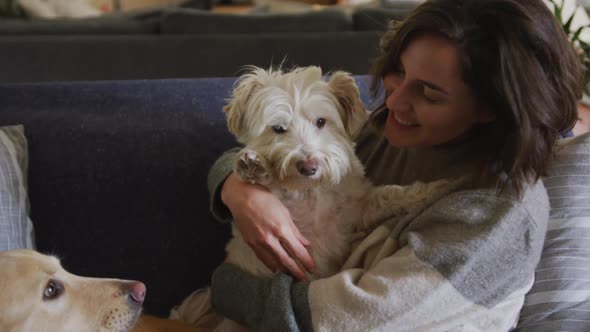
<point>37,294</point>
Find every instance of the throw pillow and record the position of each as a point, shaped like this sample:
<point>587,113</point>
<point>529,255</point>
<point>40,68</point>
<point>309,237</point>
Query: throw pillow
<point>560,297</point>
<point>16,229</point>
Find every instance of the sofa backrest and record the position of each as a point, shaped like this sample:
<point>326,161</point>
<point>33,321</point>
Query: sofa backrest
<point>187,21</point>
<point>76,58</point>
<point>111,25</point>
<point>185,43</point>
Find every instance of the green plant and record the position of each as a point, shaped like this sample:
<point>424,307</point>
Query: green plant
<point>582,47</point>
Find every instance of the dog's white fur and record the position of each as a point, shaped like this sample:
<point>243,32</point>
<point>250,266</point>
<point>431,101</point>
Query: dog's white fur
<point>337,202</point>
<point>83,305</point>
<point>59,8</point>
<point>286,121</point>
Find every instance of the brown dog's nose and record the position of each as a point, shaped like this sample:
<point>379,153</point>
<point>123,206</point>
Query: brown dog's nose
<point>137,292</point>
<point>307,167</point>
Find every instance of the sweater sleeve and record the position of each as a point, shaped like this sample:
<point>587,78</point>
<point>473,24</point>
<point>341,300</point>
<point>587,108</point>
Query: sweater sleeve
<point>467,261</point>
<point>220,170</point>
<point>263,304</point>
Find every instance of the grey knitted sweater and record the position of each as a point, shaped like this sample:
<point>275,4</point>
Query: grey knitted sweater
<point>462,263</point>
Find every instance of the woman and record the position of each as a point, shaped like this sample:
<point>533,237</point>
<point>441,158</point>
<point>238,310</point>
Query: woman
<point>478,89</point>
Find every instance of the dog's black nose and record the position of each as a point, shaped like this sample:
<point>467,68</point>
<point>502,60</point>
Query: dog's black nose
<point>307,167</point>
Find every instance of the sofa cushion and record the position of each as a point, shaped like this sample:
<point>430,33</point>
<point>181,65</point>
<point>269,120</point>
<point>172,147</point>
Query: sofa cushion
<point>560,297</point>
<point>204,22</point>
<point>370,18</point>
<point>16,230</point>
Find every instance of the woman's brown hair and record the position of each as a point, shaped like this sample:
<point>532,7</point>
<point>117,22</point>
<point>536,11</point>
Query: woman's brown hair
<point>518,62</point>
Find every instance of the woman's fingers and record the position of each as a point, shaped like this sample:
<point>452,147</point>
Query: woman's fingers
<point>286,260</point>
<point>298,252</point>
<point>266,225</point>
<point>267,256</point>
<point>300,237</point>
<point>282,251</point>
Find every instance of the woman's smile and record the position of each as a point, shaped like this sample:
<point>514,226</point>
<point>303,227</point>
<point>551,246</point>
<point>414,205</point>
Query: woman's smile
<point>400,122</point>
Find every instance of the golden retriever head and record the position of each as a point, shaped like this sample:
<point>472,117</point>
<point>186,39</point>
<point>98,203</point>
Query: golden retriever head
<point>37,294</point>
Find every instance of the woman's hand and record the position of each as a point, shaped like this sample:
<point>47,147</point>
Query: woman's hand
<point>267,227</point>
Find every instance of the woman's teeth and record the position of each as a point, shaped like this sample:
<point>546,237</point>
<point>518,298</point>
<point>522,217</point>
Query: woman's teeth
<point>402,122</point>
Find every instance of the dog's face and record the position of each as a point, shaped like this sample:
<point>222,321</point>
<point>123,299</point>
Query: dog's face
<point>303,126</point>
<point>37,294</point>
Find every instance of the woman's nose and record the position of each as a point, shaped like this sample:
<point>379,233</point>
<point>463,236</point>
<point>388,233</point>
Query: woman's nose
<point>399,98</point>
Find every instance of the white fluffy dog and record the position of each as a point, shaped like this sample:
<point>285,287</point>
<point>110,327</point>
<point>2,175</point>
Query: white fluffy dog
<point>298,132</point>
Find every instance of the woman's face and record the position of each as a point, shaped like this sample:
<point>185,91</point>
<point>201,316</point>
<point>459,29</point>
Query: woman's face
<point>428,102</point>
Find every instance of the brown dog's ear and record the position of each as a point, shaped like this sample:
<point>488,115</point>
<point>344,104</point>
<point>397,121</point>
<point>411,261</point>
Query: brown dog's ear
<point>352,110</point>
<point>237,105</point>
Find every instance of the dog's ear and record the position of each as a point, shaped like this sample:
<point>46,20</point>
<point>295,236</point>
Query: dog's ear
<point>352,110</point>
<point>246,86</point>
<point>306,75</point>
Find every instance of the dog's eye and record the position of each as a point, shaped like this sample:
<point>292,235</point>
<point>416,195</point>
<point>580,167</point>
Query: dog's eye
<point>279,129</point>
<point>53,290</point>
<point>320,122</point>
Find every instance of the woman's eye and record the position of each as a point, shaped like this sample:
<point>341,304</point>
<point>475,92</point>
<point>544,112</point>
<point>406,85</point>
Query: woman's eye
<point>52,290</point>
<point>428,94</point>
<point>320,122</point>
<point>279,129</point>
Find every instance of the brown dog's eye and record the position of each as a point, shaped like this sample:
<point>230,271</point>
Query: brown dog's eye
<point>320,122</point>
<point>279,129</point>
<point>53,290</point>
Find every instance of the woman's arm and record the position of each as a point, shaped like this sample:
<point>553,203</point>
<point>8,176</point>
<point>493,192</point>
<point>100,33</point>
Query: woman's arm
<point>467,260</point>
<point>262,219</point>
<point>218,173</point>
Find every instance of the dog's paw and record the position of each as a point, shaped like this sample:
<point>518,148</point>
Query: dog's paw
<point>422,192</point>
<point>251,167</point>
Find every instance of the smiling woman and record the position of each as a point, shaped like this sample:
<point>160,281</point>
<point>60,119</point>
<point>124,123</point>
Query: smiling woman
<point>475,90</point>
<point>428,102</point>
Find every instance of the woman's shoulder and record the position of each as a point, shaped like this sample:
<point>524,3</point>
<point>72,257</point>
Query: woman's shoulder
<point>496,204</point>
<point>474,234</point>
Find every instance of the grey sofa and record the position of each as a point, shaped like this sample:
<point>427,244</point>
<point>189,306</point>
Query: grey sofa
<point>117,187</point>
<point>188,43</point>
